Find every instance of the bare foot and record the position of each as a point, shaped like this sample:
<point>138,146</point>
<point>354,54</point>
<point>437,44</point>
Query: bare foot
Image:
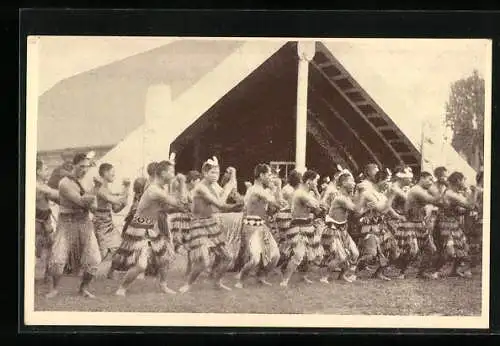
<point>307,280</point>
<point>165,289</point>
<point>383,277</point>
<point>238,285</point>
<point>221,286</point>
<point>85,293</point>
<point>346,278</point>
<point>121,292</point>
<point>52,294</point>
<point>284,283</point>
<point>401,277</point>
<point>185,288</point>
<point>324,280</point>
<point>265,282</point>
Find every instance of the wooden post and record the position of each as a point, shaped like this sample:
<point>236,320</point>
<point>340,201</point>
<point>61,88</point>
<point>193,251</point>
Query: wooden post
<point>306,52</point>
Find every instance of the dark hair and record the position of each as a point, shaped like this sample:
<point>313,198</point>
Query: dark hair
<point>104,167</point>
<point>139,185</point>
<point>479,177</point>
<point>381,176</point>
<point>261,168</point>
<point>309,175</point>
<point>39,164</point>
<point>368,167</point>
<point>294,178</point>
<point>439,171</point>
<point>425,174</point>
<point>207,167</point>
<point>161,166</point>
<point>455,178</point>
<point>192,176</point>
<point>326,179</point>
<point>342,178</point>
<point>151,168</point>
<point>79,157</point>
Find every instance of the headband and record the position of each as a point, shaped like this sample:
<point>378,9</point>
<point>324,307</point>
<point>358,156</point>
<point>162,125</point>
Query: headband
<point>213,161</point>
<point>90,155</point>
<point>171,159</point>
<point>406,173</point>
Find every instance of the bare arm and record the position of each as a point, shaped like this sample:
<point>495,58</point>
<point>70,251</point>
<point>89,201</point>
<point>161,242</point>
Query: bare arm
<point>426,197</point>
<point>462,201</point>
<point>210,198</point>
<point>51,193</point>
<point>377,204</point>
<point>167,200</point>
<point>74,196</point>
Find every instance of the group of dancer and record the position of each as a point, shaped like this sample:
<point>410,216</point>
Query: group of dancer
<point>372,221</point>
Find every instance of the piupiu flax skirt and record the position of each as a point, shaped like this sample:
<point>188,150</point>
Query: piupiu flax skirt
<point>339,247</point>
<point>143,244</point>
<point>451,237</point>
<point>108,236</point>
<point>258,240</point>
<point>43,231</point>
<point>303,238</point>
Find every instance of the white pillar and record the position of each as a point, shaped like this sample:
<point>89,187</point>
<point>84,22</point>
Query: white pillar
<point>306,51</point>
<point>158,104</point>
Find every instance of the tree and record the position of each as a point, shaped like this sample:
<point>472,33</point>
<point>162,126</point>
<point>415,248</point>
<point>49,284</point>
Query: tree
<point>465,117</point>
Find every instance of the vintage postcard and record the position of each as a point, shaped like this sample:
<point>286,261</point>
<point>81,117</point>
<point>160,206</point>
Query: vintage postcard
<point>257,182</point>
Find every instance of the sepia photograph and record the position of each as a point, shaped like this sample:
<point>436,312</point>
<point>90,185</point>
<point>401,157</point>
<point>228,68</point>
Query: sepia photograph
<point>257,182</point>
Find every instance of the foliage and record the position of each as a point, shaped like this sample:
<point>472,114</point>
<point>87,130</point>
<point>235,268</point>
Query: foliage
<point>465,117</point>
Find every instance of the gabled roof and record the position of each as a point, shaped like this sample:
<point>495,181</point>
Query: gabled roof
<point>102,106</point>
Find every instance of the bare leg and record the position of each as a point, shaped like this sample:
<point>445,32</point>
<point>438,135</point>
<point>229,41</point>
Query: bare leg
<point>130,277</point>
<point>197,268</point>
<point>163,270</point>
<point>86,279</point>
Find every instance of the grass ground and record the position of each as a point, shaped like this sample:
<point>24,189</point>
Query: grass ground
<point>443,297</point>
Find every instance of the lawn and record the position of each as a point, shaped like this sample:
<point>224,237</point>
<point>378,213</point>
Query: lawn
<point>443,297</point>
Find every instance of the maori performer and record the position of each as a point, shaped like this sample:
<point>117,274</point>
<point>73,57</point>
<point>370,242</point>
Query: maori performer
<point>417,199</point>
<point>138,188</point>
<point>75,232</point>
<point>452,242</point>
<point>205,237</point>
<point>65,169</point>
<point>475,232</point>
<point>108,236</point>
<point>259,244</point>
<point>378,246</point>
<point>142,240</point>
<point>404,231</point>
<point>43,223</point>
<point>303,242</point>
<point>283,217</point>
<point>341,252</point>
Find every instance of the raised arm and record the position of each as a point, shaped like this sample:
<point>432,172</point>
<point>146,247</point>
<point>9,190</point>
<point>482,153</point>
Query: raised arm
<point>51,194</point>
<point>468,202</point>
<point>168,201</point>
<point>205,193</point>
<point>67,192</point>
<point>427,197</point>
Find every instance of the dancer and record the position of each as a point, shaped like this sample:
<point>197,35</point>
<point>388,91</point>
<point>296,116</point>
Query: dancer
<point>452,241</point>
<point>259,242</point>
<point>476,231</point>
<point>142,240</point>
<point>404,231</point>
<point>108,236</point>
<point>377,245</point>
<point>303,243</point>
<point>416,226</point>
<point>205,237</point>
<point>65,169</point>
<point>43,222</point>
<point>75,231</point>
<point>341,253</point>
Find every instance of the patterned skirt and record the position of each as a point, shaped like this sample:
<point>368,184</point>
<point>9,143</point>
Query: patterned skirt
<point>304,240</point>
<point>43,231</point>
<point>143,244</point>
<point>204,235</point>
<point>230,225</point>
<point>108,236</point>
<point>451,237</point>
<point>386,246</point>
<point>257,242</point>
<point>409,236</point>
<point>340,249</point>
<point>178,224</point>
